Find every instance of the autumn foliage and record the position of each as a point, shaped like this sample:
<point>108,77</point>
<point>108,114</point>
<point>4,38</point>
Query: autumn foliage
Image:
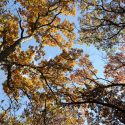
<point>66,89</point>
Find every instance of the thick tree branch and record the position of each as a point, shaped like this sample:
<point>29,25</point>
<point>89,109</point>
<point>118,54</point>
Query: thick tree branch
<point>10,49</point>
<point>95,102</point>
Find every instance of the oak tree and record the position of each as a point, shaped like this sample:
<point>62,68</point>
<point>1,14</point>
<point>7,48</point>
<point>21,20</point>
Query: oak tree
<point>102,22</point>
<point>66,89</point>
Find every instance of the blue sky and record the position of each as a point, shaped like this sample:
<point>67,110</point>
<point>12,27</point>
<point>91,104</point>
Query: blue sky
<point>51,52</point>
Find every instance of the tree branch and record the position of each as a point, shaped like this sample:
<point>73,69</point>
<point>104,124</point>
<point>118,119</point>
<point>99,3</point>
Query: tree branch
<point>95,102</point>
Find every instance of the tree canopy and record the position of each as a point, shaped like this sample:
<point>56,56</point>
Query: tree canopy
<point>103,22</point>
<point>64,90</point>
